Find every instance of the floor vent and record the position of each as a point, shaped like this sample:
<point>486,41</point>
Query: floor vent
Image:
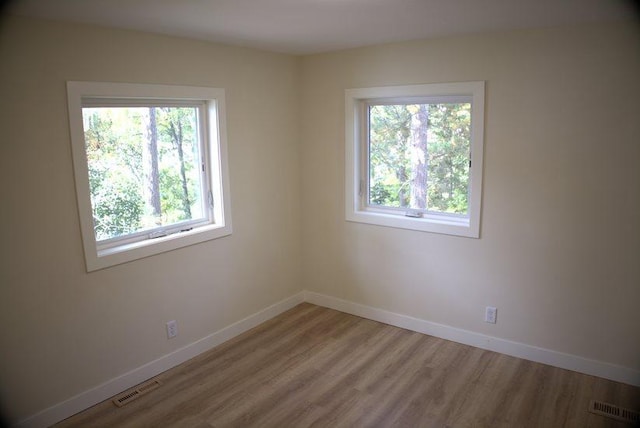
<point>614,412</point>
<point>130,395</point>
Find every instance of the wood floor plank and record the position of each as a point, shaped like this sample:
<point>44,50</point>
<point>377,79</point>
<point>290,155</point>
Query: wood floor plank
<point>316,367</point>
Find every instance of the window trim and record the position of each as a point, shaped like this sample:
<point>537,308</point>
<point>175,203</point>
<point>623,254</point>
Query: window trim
<point>357,208</point>
<point>99,256</point>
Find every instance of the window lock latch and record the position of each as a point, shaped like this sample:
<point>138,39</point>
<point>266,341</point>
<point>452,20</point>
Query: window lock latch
<point>157,234</point>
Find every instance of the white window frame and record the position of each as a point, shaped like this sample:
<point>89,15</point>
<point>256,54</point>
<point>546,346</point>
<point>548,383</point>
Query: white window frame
<point>357,206</point>
<point>99,255</point>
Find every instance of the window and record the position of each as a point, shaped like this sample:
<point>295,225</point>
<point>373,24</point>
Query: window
<point>150,168</point>
<point>414,157</point>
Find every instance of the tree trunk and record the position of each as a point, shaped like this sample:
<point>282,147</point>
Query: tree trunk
<point>418,141</point>
<point>403,177</point>
<point>177,140</point>
<point>151,188</point>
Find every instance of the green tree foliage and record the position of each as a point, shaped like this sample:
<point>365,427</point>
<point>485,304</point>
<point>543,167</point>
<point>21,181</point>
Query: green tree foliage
<point>388,155</point>
<point>114,162</point>
<point>449,155</point>
<point>178,125</point>
<point>118,142</point>
<point>417,150</point>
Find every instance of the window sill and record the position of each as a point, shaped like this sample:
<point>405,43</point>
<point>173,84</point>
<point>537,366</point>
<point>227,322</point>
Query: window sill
<point>112,256</point>
<point>429,223</point>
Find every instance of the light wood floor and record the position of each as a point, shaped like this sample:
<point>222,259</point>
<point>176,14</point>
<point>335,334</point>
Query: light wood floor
<point>313,366</point>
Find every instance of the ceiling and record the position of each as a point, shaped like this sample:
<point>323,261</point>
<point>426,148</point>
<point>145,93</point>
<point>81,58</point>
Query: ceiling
<point>312,26</point>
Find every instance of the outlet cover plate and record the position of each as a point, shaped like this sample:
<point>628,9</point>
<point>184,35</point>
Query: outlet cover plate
<point>491,315</point>
<point>172,329</point>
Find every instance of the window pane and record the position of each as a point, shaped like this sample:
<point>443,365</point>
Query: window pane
<point>144,168</point>
<point>419,156</point>
<point>449,151</point>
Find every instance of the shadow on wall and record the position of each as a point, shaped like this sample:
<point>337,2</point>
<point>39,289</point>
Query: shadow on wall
<point>4,422</point>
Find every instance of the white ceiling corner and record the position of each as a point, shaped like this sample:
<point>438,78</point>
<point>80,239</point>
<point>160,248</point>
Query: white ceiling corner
<point>312,26</point>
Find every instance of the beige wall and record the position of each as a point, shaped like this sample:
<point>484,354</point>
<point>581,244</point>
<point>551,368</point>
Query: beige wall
<point>66,331</point>
<point>560,238</point>
<point>559,254</point>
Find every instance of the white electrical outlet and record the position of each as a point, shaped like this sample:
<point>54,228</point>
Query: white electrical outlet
<point>491,315</point>
<point>172,329</point>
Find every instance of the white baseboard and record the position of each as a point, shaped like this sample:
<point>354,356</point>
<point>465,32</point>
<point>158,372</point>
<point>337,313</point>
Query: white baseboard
<point>110,388</point>
<point>516,349</point>
<point>114,386</point>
